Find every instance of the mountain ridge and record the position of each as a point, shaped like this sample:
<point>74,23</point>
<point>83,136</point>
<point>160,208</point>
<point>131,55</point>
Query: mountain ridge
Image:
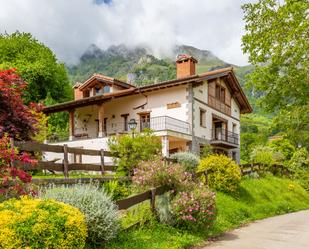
<point>120,60</point>
<point>138,66</point>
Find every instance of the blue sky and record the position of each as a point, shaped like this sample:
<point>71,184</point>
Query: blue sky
<point>68,27</point>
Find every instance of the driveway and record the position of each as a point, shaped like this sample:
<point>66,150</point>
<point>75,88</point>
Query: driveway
<point>289,231</point>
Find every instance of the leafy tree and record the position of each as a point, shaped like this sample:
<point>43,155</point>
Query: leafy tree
<point>255,130</point>
<point>16,119</point>
<point>132,150</point>
<point>276,40</point>
<point>263,155</point>
<point>37,65</point>
<point>283,146</point>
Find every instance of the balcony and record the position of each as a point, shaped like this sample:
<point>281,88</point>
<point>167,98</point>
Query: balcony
<point>161,123</point>
<point>223,138</point>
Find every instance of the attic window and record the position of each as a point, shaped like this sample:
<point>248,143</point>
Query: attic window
<point>106,89</point>
<point>97,89</point>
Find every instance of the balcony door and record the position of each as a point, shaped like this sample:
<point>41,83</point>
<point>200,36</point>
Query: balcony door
<point>219,130</point>
<point>144,120</point>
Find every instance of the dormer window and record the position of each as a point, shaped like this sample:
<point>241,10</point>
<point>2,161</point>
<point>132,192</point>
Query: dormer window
<point>106,89</point>
<point>97,90</point>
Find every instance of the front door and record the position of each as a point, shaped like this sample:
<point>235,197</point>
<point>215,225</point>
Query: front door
<point>144,121</point>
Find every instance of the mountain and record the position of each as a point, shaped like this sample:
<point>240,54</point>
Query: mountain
<point>140,67</point>
<point>118,61</point>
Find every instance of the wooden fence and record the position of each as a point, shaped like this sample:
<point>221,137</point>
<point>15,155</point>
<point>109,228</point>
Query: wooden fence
<point>65,166</point>
<point>147,195</point>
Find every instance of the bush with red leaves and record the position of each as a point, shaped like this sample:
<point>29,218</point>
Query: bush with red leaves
<point>16,119</point>
<point>14,182</point>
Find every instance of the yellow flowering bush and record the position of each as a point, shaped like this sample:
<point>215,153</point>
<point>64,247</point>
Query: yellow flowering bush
<point>224,173</point>
<point>34,223</point>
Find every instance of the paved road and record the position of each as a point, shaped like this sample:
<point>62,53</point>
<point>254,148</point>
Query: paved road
<point>289,231</point>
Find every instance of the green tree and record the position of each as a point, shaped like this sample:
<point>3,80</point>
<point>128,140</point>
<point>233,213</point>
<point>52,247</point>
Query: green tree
<point>255,130</point>
<point>276,40</point>
<point>283,146</point>
<point>132,150</point>
<point>37,65</point>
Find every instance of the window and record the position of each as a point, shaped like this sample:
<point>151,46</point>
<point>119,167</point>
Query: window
<point>220,93</point>
<point>97,90</point>
<point>234,127</point>
<point>106,89</point>
<point>217,92</point>
<point>144,121</point>
<point>202,118</point>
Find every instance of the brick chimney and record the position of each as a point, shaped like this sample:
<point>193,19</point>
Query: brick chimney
<point>185,65</point>
<point>78,94</point>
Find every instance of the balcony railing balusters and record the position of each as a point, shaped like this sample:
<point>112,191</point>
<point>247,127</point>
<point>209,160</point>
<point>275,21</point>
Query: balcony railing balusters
<point>220,134</point>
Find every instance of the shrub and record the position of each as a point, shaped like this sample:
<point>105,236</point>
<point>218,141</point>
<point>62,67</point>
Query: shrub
<point>299,167</point>
<point>155,173</point>
<point>117,190</point>
<point>195,209</point>
<point>224,173</point>
<point>284,146</point>
<point>263,155</point>
<point>299,160</point>
<point>14,182</point>
<point>131,151</point>
<point>187,159</point>
<point>206,151</point>
<point>34,223</point>
<point>99,210</point>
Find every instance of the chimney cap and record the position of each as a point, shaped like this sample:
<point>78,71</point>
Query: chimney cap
<point>182,57</point>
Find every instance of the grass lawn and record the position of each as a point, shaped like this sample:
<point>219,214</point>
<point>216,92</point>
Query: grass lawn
<point>258,198</point>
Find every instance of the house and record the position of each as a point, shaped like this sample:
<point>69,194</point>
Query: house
<point>186,113</point>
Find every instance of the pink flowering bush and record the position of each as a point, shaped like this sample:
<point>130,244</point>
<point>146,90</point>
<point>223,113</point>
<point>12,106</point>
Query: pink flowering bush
<point>194,209</point>
<point>155,173</point>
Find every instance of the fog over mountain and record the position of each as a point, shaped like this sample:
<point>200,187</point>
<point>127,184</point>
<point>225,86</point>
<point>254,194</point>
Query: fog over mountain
<point>69,27</point>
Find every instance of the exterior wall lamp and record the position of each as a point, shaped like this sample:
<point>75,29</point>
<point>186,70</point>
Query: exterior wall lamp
<point>132,124</point>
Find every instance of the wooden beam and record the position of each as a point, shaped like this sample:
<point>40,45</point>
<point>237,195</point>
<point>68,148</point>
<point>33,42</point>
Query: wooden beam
<point>71,124</point>
<point>101,120</point>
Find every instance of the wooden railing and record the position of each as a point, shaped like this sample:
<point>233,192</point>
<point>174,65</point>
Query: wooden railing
<point>65,166</point>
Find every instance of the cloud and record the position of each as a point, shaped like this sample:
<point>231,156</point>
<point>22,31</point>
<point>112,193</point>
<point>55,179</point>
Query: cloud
<point>68,27</point>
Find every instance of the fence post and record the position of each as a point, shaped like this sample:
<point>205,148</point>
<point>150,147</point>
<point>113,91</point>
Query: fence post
<point>252,169</point>
<point>102,161</point>
<point>153,200</point>
<point>65,161</point>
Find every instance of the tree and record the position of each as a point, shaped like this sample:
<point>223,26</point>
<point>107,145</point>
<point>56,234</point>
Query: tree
<point>16,118</point>
<point>132,150</point>
<point>276,40</point>
<point>37,65</point>
<point>255,130</point>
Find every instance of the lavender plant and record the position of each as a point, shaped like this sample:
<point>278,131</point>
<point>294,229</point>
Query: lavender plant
<point>98,208</point>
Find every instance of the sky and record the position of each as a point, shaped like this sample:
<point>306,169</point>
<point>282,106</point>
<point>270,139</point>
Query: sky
<point>68,27</point>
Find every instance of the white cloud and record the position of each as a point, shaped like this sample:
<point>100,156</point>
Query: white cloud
<point>68,27</point>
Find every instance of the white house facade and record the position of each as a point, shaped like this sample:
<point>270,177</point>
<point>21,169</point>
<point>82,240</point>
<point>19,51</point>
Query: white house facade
<point>186,113</point>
